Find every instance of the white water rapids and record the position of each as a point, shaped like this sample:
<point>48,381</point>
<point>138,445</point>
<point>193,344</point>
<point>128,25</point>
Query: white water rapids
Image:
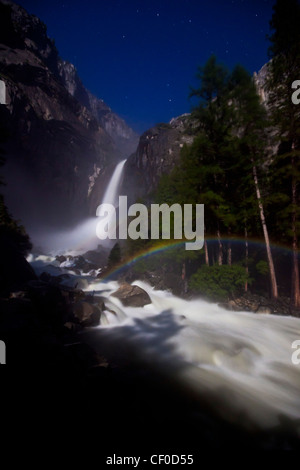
<point>241,359</point>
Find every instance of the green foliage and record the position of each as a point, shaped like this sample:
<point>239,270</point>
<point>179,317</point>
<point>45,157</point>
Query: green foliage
<point>213,77</point>
<point>285,28</point>
<point>262,268</point>
<point>233,141</point>
<point>11,232</point>
<point>148,263</point>
<point>283,70</point>
<point>219,283</point>
<point>216,169</point>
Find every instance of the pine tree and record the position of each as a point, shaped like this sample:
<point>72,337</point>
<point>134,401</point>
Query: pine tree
<point>284,69</point>
<point>251,120</point>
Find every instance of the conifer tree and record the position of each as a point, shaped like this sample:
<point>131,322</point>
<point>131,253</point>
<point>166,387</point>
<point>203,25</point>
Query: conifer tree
<point>252,125</point>
<point>284,69</point>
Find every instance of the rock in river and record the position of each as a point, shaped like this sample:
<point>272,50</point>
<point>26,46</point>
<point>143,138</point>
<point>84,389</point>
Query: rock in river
<point>132,296</point>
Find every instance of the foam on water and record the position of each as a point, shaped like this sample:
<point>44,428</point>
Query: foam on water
<point>240,358</point>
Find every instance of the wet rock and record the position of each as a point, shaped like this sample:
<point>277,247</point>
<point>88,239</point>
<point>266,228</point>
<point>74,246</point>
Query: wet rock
<point>73,327</point>
<point>45,277</point>
<point>48,302</point>
<point>263,309</point>
<point>61,258</point>
<point>98,258</point>
<point>84,265</point>
<point>87,313</point>
<point>132,296</point>
<point>259,304</point>
<point>75,283</point>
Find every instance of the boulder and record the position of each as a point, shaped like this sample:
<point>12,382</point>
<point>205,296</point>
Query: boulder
<point>61,258</point>
<point>263,309</point>
<point>86,313</point>
<point>98,258</point>
<point>132,296</point>
<point>83,265</point>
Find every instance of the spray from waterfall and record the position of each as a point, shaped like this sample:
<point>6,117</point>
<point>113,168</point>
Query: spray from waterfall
<point>82,237</point>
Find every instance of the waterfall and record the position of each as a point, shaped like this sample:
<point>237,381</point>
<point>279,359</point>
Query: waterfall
<point>82,237</point>
<point>111,197</point>
<point>111,193</point>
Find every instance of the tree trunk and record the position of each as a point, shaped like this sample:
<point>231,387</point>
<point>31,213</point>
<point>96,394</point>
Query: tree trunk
<point>220,252</point>
<point>229,249</point>
<point>206,251</point>
<point>246,257</point>
<point>295,269</point>
<point>274,291</point>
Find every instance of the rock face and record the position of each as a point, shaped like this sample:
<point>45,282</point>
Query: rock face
<point>132,296</point>
<point>260,79</point>
<point>124,137</point>
<point>157,154</point>
<point>59,138</point>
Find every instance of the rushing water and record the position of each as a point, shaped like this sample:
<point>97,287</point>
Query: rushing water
<point>111,194</point>
<point>240,360</point>
<point>82,237</point>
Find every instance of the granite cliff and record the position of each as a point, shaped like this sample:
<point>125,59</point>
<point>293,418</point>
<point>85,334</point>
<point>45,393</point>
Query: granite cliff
<point>157,154</point>
<point>58,138</point>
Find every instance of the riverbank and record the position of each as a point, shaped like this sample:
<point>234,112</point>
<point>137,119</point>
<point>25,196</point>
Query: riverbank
<point>128,376</point>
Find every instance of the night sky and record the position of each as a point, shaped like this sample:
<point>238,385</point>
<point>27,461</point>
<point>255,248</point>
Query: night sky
<point>141,56</point>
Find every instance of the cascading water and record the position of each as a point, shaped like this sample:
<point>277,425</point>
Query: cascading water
<point>83,236</point>
<point>111,194</point>
<point>241,360</point>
